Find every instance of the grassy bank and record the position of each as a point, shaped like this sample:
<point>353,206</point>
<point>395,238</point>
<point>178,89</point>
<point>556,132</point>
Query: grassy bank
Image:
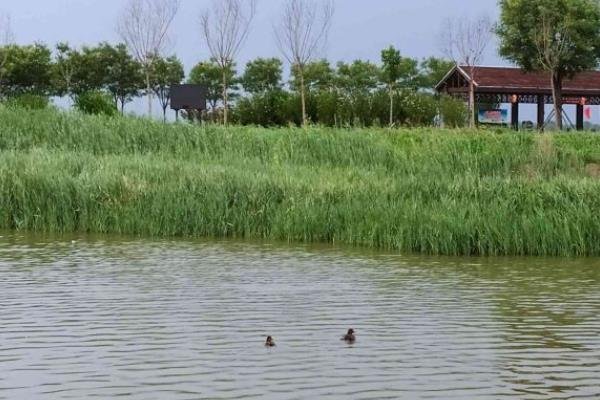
<point>441,192</point>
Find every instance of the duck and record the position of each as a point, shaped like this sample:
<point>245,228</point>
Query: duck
<point>269,342</point>
<point>349,337</point>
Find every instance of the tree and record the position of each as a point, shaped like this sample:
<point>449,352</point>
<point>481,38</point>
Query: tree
<point>396,72</point>
<point>225,27</point>
<point>144,27</point>
<point>301,35</point>
<point>77,71</point>
<point>6,37</point>
<point>123,76</point>
<point>314,76</point>
<point>464,41</point>
<point>6,33</point>
<point>355,83</point>
<point>432,71</point>
<point>560,37</point>
<point>209,74</point>
<point>90,67</point>
<point>165,73</point>
<point>104,67</point>
<point>262,75</point>
<point>26,70</point>
<point>359,76</point>
<point>64,69</point>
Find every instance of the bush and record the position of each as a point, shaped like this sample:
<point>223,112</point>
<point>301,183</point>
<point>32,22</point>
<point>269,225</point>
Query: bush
<point>29,101</point>
<point>265,109</point>
<point>419,109</point>
<point>454,112</point>
<point>95,102</point>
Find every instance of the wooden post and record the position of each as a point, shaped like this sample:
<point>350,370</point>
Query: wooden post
<point>514,113</point>
<point>541,117</point>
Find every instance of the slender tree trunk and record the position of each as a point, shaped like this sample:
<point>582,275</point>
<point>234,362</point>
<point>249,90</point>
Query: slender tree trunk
<point>149,93</point>
<point>225,111</point>
<point>391,92</point>
<point>472,99</point>
<point>164,114</point>
<point>557,98</point>
<point>303,98</point>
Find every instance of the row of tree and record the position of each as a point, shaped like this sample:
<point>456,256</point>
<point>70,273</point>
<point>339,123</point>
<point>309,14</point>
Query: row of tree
<point>396,92</point>
<point>561,37</point>
<point>35,69</point>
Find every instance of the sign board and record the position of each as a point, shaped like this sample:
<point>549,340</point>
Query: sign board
<point>498,116</point>
<point>574,100</point>
<point>188,97</point>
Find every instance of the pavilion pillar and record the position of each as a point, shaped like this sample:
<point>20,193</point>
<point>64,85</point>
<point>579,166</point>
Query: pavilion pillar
<point>514,113</point>
<point>541,117</point>
<point>579,123</point>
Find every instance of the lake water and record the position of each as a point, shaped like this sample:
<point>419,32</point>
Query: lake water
<point>106,317</point>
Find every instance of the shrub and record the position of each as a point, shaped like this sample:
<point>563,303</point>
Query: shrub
<point>29,101</point>
<point>95,102</point>
<point>266,109</point>
<point>454,112</point>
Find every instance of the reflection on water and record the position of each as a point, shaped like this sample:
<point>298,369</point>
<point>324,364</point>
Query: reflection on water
<point>103,318</point>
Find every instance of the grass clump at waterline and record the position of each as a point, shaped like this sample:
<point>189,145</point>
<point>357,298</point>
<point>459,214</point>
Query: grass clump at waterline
<point>417,190</point>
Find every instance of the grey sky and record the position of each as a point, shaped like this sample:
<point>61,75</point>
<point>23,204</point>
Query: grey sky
<point>360,29</point>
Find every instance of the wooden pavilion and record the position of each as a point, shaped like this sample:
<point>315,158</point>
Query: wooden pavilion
<point>497,85</point>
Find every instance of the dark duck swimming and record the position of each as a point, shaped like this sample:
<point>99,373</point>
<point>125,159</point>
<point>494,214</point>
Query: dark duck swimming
<point>269,342</point>
<point>349,337</point>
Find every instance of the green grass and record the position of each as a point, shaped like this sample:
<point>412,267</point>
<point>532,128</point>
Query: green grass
<point>418,190</point>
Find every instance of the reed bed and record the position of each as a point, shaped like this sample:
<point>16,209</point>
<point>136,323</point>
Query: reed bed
<point>413,190</point>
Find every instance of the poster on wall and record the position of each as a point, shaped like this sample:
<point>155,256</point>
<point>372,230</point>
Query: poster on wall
<point>497,117</point>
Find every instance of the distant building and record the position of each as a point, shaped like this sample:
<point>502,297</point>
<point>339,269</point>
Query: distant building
<point>499,85</point>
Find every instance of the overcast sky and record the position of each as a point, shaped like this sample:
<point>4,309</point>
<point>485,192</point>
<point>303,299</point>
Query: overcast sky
<point>360,28</point>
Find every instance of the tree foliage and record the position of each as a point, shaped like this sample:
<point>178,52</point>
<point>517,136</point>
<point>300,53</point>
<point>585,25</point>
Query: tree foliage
<point>317,75</point>
<point>164,73</point>
<point>396,71</point>
<point>123,77</point>
<point>26,69</point>
<point>209,73</point>
<point>341,95</point>
<point>262,75</point>
<point>561,37</point>
<point>432,71</point>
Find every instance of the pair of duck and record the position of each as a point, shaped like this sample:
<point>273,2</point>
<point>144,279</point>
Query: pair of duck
<point>349,338</point>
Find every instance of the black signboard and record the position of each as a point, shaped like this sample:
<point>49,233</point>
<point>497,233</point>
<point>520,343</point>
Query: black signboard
<point>188,97</point>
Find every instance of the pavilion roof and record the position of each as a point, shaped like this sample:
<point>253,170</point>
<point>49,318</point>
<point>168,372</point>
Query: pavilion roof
<point>506,79</point>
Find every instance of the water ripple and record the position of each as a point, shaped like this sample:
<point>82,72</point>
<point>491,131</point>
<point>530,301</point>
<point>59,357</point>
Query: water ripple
<point>104,318</point>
